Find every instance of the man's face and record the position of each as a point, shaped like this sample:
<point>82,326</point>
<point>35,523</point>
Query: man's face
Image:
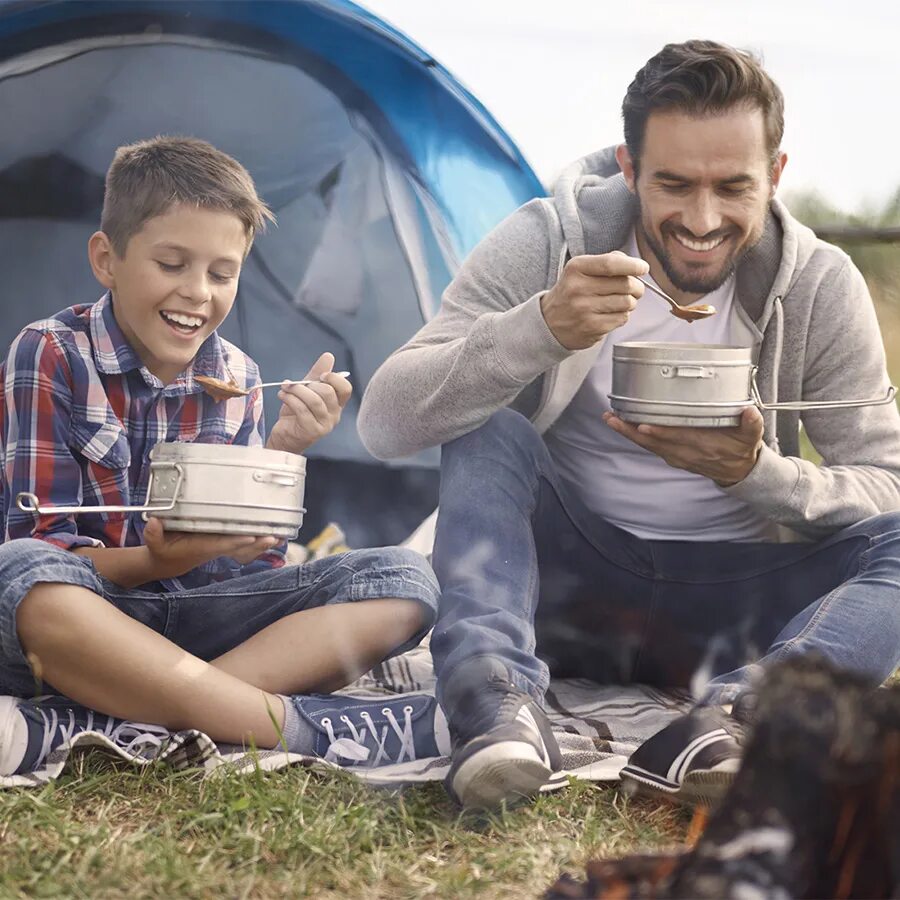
<point>175,284</point>
<point>703,186</point>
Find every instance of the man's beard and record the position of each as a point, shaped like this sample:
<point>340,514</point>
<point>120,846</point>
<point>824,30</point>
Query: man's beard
<point>696,283</point>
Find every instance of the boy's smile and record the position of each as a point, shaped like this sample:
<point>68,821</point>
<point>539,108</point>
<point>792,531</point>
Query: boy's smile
<point>175,284</point>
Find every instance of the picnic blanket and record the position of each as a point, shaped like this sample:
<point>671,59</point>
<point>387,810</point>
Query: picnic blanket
<point>597,729</point>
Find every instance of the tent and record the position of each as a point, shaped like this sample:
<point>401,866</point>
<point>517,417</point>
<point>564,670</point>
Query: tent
<point>382,169</point>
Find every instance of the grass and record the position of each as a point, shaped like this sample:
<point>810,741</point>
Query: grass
<point>106,830</point>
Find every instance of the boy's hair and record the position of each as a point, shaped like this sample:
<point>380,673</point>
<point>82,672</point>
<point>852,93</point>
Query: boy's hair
<point>701,78</point>
<point>147,178</point>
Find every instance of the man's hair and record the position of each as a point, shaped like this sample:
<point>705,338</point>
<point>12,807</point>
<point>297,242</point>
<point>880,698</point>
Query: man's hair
<point>701,78</point>
<point>149,177</point>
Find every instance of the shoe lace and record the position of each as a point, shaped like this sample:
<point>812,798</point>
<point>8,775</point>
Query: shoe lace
<point>129,736</point>
<point>354,749</point>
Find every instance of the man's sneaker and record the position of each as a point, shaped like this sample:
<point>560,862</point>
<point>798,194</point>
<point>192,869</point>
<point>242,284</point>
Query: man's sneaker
<point>745,708</point>
<point>32,729</point>
<point>504,748</point>
<point>693,759</point>
<point>358,731</point>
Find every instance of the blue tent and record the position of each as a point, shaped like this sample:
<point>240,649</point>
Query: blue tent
<point>382,169</point>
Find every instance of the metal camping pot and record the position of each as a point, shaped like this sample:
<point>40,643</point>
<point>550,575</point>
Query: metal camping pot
<point>214,488</point>
<point>696,385</point>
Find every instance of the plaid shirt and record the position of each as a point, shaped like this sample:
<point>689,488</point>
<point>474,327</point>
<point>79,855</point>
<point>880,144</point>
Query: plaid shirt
<point>79,415</point>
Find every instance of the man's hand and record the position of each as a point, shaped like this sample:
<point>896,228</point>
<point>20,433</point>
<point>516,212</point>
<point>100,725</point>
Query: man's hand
<point>174,553</point>
<point>726,455</point>
<point>310,411</point>
<point>593,297</point>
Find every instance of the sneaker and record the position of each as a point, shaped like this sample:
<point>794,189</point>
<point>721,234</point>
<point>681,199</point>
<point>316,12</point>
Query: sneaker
<point>30,730</point>
<point>745,708</point>
<point>367,731</point>
<point>504,748</point>
<point>693,759</point>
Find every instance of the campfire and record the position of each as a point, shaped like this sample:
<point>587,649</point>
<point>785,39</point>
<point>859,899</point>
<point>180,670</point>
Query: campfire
<point>814,812</point>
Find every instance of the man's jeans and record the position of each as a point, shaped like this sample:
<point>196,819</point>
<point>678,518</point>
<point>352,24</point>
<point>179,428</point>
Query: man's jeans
<point>529,575</point>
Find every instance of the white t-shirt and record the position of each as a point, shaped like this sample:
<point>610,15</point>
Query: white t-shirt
<point>627,485</point>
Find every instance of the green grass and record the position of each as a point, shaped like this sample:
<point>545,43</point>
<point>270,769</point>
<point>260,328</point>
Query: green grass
<point>107,830</point>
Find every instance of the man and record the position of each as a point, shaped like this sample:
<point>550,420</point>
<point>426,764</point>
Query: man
<point>582,545</point>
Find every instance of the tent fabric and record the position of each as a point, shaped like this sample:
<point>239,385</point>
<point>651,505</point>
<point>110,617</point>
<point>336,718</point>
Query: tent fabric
<point>382,170</point>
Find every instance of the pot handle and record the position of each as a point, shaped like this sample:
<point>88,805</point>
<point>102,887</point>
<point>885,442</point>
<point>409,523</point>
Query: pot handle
<point>287,479</point>
<point>29,502</point>
<point>812,404</point>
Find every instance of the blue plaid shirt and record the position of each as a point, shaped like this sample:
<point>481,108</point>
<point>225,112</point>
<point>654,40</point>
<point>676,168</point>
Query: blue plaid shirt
<point>79,415</point>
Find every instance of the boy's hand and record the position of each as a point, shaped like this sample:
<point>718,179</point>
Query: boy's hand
<point>310,411</point>
<point>175,553</point>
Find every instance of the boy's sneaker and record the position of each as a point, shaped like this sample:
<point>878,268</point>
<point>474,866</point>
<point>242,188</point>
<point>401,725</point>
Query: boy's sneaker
<point>32,729</point>
<point>693,759</point>
<point>504,748</point>
<point>374,731</point>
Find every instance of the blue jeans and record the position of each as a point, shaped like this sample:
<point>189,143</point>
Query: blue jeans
<point>528,574</point>
<point>208,621</point>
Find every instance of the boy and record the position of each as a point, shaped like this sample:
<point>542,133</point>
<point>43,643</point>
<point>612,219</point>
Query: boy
<point>125,620</point>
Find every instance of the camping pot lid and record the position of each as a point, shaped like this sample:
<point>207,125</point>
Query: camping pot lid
<point>174,456</point>
<point>681,354</point>
<point>225,454</point>
<point>652,352</point>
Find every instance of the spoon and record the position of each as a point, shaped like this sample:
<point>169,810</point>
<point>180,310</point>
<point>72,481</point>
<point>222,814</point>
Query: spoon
<point>222,390</point>
<point>689,313</point>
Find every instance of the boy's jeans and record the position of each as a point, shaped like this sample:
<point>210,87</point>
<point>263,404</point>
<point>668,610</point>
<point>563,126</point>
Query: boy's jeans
<point>208,621</point>
<point>529,575</point>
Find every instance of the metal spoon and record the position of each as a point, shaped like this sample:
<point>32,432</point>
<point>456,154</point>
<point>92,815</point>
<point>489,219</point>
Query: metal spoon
<point>256,387</point>
<point>222,390</point>
<point>688,313</point>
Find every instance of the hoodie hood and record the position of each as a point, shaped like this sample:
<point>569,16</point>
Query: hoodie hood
<point>596,210</point>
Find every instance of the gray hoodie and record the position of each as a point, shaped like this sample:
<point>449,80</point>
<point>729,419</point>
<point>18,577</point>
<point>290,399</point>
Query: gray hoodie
<point>802,306</point>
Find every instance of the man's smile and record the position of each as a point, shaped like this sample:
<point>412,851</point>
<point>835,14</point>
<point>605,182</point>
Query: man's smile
<point>699,246</point>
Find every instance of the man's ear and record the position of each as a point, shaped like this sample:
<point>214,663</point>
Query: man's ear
<point>626,164</point>
<point>100,255</point>
<point>775,174</point>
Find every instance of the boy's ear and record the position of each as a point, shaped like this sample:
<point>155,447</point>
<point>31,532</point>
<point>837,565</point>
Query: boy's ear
<point>100,254</point>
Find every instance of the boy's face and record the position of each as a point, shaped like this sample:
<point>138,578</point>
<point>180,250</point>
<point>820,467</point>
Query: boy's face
<point>175,284</point>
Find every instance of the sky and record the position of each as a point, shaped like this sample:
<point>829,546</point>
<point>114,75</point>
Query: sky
<point>553,73</point>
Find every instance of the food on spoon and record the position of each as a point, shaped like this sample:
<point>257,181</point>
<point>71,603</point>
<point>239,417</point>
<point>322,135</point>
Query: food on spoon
<point>690,314</point>
<point>218,389</point>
